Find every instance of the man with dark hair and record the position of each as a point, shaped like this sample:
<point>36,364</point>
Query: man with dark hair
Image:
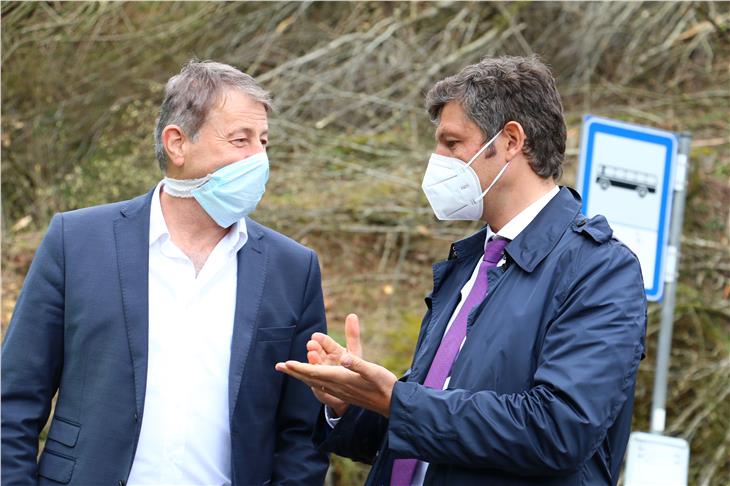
<point>159,320</point>
<point>525,366</point>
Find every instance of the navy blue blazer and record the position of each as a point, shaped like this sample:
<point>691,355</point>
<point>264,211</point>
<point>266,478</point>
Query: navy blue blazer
<point>542,391</point>
<point>80,328</point>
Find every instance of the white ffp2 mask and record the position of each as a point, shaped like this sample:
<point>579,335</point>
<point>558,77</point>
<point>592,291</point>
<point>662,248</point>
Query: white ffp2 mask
<point>452,187</point>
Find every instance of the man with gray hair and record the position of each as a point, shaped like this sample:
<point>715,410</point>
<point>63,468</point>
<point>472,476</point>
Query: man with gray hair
<point>158,320</point>
<point>525,367</point>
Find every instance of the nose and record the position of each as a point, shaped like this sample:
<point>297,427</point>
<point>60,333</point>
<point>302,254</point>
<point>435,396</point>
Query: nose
<point>259,147</point>
<point>254,147</point>
<point>441,149</point>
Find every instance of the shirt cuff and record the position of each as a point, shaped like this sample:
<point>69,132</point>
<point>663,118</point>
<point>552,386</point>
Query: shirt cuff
<point>331,421</point>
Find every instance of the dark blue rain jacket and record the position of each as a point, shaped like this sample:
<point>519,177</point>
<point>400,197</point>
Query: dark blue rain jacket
<point>542,390</point>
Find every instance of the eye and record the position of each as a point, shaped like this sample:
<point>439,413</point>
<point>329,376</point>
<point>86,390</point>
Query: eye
<point>239,141</point>
<point>450,144</point>
<point>264,142</point>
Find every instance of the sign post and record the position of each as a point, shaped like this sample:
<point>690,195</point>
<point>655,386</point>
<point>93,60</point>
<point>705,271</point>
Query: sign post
<point>659,398</point>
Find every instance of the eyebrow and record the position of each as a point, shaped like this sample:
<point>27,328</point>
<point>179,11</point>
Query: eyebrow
<point>446,132</point>
<point>247,131</point>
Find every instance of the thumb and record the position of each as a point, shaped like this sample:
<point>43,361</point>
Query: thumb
<point>355,363</point>
<point>352,334</point>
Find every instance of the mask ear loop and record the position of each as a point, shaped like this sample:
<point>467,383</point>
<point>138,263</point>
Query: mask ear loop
<point>499,174</point>
<point>183,187</point>
<point>484,147</point>
<point>476,201</point>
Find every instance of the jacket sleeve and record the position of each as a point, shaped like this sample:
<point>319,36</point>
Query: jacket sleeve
<point>296,460</point>
<point>357,435</point>
<point>32,358</point>
<point>585,373</point>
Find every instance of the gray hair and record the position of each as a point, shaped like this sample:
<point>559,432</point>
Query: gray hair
<point>502,89</point>
<point>190,95</point>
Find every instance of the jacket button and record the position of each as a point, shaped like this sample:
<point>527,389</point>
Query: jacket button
<point>121,482</point>
<point>136,417</point>
<point>582,222</point>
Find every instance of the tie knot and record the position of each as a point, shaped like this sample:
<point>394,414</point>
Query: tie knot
<point>494,249</point>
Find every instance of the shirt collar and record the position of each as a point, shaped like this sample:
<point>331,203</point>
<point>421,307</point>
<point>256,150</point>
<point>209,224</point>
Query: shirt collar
<point>234,239</point>
<point>516,225</point>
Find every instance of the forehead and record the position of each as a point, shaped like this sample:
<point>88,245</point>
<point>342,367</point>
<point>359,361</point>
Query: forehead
<point>236,107</point>
<point>454,122</point>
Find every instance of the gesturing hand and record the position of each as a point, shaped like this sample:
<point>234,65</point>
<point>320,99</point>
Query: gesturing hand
<point>323,350</point>
<point>345,377</point>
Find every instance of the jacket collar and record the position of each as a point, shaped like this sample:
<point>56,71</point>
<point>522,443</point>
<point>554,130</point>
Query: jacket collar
<point>470,246</point>
<point>538,239</point>
<point>138,207</point>
<point>534,243</point>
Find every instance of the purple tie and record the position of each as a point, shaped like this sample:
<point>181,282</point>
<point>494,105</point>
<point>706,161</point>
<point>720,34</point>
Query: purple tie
<point>403,469</point>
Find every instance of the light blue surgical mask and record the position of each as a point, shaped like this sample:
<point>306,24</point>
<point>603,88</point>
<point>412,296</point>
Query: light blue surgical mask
<point>229,193</point>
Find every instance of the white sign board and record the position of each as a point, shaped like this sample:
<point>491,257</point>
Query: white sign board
<point>626,173</point>
<point>656,460</point>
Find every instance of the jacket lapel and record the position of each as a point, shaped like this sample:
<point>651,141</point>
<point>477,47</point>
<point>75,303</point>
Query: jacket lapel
<point>249,292</point>
<point>132,234</point>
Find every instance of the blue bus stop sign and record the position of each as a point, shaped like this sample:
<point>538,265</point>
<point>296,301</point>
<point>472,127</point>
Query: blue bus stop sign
<point>626,173</point>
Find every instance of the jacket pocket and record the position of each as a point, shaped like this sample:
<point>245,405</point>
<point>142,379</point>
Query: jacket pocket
<point>56,467</point>
<point>275,333</point>
<point>64,431</point>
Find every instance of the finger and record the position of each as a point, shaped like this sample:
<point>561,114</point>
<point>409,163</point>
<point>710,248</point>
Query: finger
<point>296,369</point>
<point>313,345</point>
<point>352,335</point>
<point>315,353</point>
<point>329,345</point>
<point>332,377</point>
<point>301,371</point>
<point>306,379</point>
<point>314,358</point>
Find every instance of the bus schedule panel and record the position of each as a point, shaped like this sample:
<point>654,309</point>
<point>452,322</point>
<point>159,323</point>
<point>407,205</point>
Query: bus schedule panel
<point>626,173</point>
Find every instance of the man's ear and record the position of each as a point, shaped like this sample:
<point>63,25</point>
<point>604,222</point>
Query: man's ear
<point>173,141</point>
<point>515,139</point>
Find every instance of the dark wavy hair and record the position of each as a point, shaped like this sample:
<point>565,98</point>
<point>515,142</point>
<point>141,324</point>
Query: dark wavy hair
<point>502,89</point>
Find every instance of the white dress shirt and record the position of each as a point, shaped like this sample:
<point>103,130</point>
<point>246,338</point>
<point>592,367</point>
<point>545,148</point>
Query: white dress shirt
<point>185,436</point>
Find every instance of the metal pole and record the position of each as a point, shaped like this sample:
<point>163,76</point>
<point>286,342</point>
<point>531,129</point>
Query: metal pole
<point>659,398</point>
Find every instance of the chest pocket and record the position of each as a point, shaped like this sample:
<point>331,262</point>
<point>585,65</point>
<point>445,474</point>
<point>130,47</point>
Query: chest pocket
<point>266,334</point>
<point>272,345</point>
